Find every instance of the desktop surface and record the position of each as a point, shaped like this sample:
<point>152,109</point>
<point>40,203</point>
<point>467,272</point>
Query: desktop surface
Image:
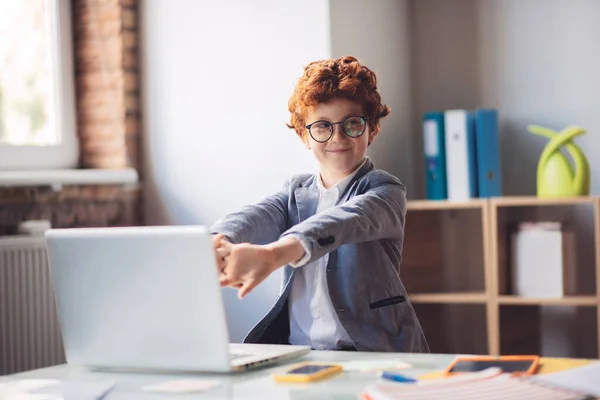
<point>255,384</point>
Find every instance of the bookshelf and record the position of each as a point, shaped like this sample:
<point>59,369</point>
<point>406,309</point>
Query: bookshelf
<point>498,54</point>
<point>456,270</point>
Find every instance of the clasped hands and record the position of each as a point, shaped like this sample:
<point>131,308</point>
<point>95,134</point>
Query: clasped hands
<point>244,266</point>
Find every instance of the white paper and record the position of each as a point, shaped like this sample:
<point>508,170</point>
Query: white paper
<point>461,378</point>
<point>584,379</point>
<point>51,389</point>
<point>28,385</point>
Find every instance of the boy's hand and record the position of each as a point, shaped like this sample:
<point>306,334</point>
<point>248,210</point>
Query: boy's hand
<point>247,265</point>
<point>222,249</point>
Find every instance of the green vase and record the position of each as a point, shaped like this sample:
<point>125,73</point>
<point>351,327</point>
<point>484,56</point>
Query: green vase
<point>556,177</point>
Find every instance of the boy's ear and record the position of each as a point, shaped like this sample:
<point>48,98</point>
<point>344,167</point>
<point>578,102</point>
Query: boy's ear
<point>372,135</point>
<point>306,141</point>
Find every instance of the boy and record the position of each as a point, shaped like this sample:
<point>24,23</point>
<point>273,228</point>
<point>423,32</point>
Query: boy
<point>338,233</point>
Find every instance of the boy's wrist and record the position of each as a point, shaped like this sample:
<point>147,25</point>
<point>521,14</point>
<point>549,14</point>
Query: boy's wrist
<point>284,251</point>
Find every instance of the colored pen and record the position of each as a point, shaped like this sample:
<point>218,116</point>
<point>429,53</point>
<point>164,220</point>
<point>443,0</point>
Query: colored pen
<point>392,376</point>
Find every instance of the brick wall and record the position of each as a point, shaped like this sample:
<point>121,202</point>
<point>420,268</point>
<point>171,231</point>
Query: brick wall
<point>107,82</point>
<point>108,115</point>
<point>74,206</point>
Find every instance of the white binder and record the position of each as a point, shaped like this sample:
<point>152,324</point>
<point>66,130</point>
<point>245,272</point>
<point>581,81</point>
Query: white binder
<point>461,162</point>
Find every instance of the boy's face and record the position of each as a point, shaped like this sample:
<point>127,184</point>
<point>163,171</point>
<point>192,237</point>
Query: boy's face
<point>341,154</point>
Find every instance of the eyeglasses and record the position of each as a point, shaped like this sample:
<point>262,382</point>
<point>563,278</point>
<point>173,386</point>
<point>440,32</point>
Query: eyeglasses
<point>321,131</point>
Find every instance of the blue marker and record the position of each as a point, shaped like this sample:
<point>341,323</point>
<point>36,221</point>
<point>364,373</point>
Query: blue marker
<point>392,376</point>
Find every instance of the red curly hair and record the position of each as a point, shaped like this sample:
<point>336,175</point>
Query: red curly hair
<point>344,77</point>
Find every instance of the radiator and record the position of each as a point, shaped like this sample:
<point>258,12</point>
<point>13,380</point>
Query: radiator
<point>30,334</point>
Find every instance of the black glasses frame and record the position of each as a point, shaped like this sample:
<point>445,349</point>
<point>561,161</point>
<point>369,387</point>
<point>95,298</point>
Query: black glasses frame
<point>332,127</point>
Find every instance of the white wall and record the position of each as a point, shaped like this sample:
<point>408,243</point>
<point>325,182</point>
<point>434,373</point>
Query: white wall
<point>444,64</point>
<point>217,76</point>
<point>378,34</point>
<point>537,61</point>
<point>540,63</point>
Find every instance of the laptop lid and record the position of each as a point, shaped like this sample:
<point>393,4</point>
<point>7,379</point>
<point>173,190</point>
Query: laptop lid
<point>139,297</point>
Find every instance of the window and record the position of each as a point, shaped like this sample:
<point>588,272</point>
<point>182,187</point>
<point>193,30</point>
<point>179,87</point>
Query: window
<point>37,107</point>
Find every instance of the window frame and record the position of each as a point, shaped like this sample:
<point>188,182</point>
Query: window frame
<point>64,155</point>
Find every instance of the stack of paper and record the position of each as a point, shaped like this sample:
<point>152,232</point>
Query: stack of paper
<point>499,387</point>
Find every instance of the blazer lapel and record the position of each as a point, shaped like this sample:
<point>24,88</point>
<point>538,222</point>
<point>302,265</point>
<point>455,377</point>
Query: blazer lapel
<point>307,200</point>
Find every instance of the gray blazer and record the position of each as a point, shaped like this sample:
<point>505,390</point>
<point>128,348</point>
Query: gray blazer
<point>363,235</point>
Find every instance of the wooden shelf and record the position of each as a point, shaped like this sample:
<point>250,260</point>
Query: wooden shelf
<point>448,298</point>
<point>520,201</point>
<point>434,266</point>
<point>444,204</point>
<point>506,201</point>
<point>559,301</point>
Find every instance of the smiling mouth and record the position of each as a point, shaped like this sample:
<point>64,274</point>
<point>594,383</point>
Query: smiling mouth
<point>337,151</point>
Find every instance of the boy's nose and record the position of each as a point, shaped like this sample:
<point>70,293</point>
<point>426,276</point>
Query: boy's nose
<point>338,133</point>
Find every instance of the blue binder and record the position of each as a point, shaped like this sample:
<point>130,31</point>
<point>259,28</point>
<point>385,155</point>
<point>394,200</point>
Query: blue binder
<point>488,153</point>
<point>435,155</point>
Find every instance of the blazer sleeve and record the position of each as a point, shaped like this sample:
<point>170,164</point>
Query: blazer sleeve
<point>378,213</point>
<point>260,223</point>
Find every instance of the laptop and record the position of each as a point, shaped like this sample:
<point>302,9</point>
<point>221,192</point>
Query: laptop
<point>146,298</point>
